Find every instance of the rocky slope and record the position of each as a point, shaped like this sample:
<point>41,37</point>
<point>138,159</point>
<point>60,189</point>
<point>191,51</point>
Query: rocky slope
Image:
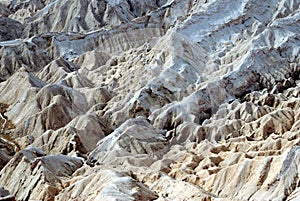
<point>149,100</point>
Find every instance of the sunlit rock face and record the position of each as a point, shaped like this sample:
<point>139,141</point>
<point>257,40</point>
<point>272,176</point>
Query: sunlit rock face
<point>149,100</point>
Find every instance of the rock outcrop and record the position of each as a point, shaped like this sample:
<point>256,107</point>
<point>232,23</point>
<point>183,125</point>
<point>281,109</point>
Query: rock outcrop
<point>33,175</point>
<point>10,29</point>
<point>149,100</point>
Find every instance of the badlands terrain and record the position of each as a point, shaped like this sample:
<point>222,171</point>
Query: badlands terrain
<point>166,100</point>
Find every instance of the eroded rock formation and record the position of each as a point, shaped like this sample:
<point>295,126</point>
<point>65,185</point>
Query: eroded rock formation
<point>149,100</point>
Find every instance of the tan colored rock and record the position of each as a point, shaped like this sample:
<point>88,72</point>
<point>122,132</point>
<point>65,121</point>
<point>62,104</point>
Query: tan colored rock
<point>171,189</point>
<point>106,185</point>
<point>80,136</point>
<point>135,143</point>
<point>41,174</point>
<point>162,100</point>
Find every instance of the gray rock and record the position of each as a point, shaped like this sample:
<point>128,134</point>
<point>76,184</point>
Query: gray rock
<point>10,29</point>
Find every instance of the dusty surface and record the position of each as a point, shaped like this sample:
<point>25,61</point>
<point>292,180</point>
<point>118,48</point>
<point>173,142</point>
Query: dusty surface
<point>149,100</point>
